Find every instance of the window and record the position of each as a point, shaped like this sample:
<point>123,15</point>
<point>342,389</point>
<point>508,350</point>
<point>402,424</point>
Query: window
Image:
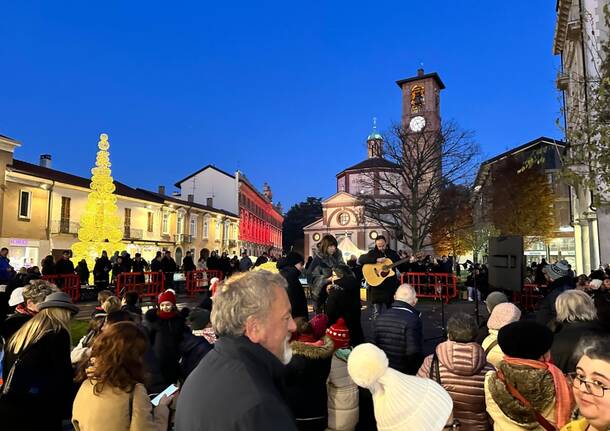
<point>25,204</point>
<point>193,227</point>
<point>127,223</point>
<point>217,231</point>
<point>180,223</point>
<point>343,219</point>
<point>165,223</point>
<point>64,221</point>
<point>206,226</point>
<point>151,221</point>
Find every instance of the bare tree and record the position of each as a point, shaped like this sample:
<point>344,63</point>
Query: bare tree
<point>404,199</point>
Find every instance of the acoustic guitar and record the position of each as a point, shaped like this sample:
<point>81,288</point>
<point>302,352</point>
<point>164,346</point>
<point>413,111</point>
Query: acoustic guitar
<point>376,273</point>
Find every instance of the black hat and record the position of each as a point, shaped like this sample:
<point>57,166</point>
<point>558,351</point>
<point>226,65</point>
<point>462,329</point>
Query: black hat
<point>58,300</point>
<point>293,258</point>
<point>199,319</point>
<point>525,339</point>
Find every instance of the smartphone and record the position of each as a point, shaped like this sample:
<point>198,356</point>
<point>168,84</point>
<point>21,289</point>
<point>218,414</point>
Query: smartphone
<point>169,391</point>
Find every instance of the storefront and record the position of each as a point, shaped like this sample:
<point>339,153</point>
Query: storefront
<point>24,252</point>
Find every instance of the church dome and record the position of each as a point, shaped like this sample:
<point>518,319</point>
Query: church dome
<point>374,136</point>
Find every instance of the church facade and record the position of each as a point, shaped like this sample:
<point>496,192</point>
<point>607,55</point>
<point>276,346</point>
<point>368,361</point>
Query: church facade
<point>343,214</point>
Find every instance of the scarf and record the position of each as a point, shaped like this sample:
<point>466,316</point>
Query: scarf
<point>166,315</point>
<point>563,393</point>
<point>22,309</point>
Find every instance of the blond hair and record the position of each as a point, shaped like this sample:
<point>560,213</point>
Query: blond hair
<point>112,303</point>
<point>575,305</point>
<point>242,296</point>
<point>37,290</point>
<point>52,319</point>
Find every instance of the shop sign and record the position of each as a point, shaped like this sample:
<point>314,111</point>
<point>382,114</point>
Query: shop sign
<point>18,242</point>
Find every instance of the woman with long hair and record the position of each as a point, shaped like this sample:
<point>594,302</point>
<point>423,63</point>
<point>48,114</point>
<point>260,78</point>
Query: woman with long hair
<point>112,395</point>
<point>319,275</point>
<point>38,391</point>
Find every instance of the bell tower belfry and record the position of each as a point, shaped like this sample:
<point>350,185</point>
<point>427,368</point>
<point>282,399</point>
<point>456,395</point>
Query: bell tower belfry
<point>421,101</point>
<point>375,142</point>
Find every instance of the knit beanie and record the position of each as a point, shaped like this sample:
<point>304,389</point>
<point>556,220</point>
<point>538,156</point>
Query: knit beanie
<point>525,339</point>
<point>557,270</point>
<point>318,324</point>
<point>168,295</point>
<point>339,333</point>
<point>199,319</point>
<point>503,314</point>
<point>495,298</point>
<point>293,258</point>
<point>401,402</point>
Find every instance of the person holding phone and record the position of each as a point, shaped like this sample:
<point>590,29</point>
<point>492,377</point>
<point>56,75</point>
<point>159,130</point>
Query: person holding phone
<point>112,395</point>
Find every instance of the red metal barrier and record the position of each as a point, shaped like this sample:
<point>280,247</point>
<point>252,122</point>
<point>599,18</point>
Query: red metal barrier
<point>199,280</point>
<point>69,283</point>
<point>148,284</point>
<point>530,296</point>
<point>432,284</point>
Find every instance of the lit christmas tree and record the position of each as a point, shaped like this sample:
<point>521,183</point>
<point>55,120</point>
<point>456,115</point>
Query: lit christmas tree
<point>100,224</point>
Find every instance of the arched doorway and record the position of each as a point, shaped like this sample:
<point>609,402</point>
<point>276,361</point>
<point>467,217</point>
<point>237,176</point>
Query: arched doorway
<point>178,256</point>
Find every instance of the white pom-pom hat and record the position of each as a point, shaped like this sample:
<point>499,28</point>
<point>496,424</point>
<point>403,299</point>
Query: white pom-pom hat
<point>401,402</point>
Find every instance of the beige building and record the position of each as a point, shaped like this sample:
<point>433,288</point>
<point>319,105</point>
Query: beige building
<point>40,209</point>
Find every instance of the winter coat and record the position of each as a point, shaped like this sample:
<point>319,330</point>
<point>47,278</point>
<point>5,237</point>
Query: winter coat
<point>111,410</point>
<point>320,269</point>
<point>165,337</point>
<point>5,270</point>
<point>398,332</point>
<point>139,265</point>
<point>64,266</point>
<point>156,265</point>
<point>566,339</point>
<point>342,397</point>
<point>188,264</point>
<point>462,368</point>
<point>83,273</point>
<point>168,265</point>
<point>384,293</point>
<point>41,391</point>
<point>12,324</point>
<point>344,301</point>
<point>245,263</point>
<point>495,355</point>
<point>306,376</point>
<point>101,269</point>
<point>237,386</point>
<point>295,290</point>
<point>193,350</point>
<point>507,413</point>
<point>547,312</point>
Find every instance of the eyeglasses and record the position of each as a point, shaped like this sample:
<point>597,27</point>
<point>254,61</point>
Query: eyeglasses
<point>595,388</point>
<point>455,425</point>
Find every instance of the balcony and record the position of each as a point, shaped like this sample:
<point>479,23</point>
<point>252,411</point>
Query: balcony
<point>131,233</point>
<point>563,81</point>
<point>64,227</point>
<point>574,29</point>
<point>183,238</point>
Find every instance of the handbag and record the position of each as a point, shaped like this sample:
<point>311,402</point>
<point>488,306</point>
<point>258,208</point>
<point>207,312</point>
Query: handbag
<point>435,372</point>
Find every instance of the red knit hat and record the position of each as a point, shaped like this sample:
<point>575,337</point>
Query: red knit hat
<point>168,295</point>
<point>339,333</point>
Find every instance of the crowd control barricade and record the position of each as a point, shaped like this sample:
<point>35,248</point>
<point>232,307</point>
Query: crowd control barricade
<point>69,283</point>
<point>148,284</point>
<point>432,284</point>
<point>199,280</point>
<point>530,296</point>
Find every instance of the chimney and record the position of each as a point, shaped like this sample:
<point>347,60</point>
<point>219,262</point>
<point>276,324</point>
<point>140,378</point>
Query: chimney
<point>210,202</point>
<point>190,198</point>
<point>161,190</point>
<point>420,72</point>
<point>45,160</point>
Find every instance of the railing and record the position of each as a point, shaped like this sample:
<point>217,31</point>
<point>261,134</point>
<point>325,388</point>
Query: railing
<point>199,280</point>
<point>432,284</point>
<point>64,227</point>
<point>183,238</point>
<point>69,283</point>
<point>130,233</point>
<point>148,284</point>
<point>530,296</point>
<point>563,81</point>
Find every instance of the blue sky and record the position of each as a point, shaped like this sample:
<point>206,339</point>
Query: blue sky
<point>284,91</point>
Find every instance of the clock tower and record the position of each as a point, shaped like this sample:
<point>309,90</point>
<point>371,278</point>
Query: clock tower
<point>421,102</point>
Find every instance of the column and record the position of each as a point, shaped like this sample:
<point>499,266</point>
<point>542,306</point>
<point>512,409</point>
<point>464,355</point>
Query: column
<point>594,242</point>
<point>584,226</point>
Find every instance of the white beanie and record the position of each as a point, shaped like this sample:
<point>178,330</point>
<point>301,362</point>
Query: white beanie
<point>401,402</point>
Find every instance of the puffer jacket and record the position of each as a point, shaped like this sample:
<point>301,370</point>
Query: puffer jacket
<point>507,413</point>
<point>495,354</point>
<point>343,405</point>
<point>462,368</point>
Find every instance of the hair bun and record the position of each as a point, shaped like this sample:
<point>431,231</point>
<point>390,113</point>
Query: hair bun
<point>367,364</point>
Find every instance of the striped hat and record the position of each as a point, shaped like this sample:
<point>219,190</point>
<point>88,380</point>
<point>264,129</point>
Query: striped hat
<point>339,333</point>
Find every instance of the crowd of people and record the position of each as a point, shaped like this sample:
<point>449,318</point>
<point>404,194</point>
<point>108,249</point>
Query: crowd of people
<point>257,354</point>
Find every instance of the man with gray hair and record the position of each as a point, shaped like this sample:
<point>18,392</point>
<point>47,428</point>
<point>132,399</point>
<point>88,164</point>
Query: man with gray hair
<point>398,332</point>
<point>237,385</point>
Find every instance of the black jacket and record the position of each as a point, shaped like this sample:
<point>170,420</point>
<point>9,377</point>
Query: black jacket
<point>398,332</point>
<point>156,265</point>
<point>306,376</point>
<point>295,290</point>
<point>168,265</point>
<point>139,265</point>
<point>42,390</point>
<point>193,350</point>
<point>101,269</point>
<point>236,387</point>
<point>567,336</point>
<point>188,264</point>
<point>12,324</point>
<point>64,266</point>
<point>385,291</point>
<point>547,312</point>
<point>344,301</point>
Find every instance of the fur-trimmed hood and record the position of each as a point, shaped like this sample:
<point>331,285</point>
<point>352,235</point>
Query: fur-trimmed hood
<point>321,349</point>
<point>536,385</point>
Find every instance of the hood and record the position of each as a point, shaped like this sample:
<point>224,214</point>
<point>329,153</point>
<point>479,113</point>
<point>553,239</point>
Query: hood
<point>462,359</point>
<point>321,349</point>
<point>284,264</point>
<point>331,260</point>
<point>535,385</point>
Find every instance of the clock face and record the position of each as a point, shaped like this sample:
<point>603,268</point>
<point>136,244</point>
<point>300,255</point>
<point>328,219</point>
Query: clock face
<point>417,123</point>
